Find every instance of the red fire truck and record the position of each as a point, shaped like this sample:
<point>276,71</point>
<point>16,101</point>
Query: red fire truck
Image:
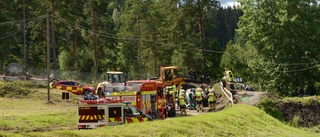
<point>108,114</point>
<point>152,99</point>
<point>149,98</point>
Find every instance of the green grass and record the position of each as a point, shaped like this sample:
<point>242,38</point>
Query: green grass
<point>239,120</point>
<point>304,100</point>
<point>34,116</point>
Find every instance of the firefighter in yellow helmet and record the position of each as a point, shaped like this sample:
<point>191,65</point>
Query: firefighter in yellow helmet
<point>211,100</point>
<point>182,104</point>
<point>229,74</point>
<point>199,99</point>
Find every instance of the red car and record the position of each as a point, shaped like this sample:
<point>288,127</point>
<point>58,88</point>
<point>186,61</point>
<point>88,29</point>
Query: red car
<point>73,87</point>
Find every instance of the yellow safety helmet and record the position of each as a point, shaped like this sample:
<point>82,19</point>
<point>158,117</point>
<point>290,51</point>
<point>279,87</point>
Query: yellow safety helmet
<point>199,89</point>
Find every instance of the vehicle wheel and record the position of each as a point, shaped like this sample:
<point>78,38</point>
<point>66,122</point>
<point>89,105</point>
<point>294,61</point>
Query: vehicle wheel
<point>170,114</point>
<point>99,93</point>
<point>86,92</point>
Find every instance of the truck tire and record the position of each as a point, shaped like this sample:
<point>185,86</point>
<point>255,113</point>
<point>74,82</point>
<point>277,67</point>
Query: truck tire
<point>100,95</point>
<point>165,114</point>
<point>171,113</point>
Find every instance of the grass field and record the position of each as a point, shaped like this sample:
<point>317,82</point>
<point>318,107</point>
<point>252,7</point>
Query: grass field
<point>32,115</point>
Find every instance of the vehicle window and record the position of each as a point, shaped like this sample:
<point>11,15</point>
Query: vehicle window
<point>121,79</point>
<point>153,97</point>
<point>66,83</point>
<point>127,111</point>
<point>135,111</point>
<point>160,92</point>
<point>76,84</point>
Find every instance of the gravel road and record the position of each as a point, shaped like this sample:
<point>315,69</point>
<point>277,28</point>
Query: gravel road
<point>253,98</point>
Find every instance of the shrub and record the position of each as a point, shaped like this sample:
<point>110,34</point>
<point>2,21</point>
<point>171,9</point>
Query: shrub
<point>269,106</point>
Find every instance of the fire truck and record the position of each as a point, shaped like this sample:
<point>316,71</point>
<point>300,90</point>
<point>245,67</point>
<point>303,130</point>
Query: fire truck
<point>171,96</point>
<point>93,115</point>
<point>149,98</point>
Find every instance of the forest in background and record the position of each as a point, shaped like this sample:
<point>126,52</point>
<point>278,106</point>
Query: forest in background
<point>273,44</point>
<point>99,35</point>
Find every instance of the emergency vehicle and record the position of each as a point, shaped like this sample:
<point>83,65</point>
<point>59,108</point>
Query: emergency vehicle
<point>171,95</point>
<point>108,114</point>
<point>73,87</point>
<point>150,99</point>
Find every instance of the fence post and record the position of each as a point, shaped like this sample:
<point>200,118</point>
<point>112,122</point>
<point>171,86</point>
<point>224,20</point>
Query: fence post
<point>2,120</point>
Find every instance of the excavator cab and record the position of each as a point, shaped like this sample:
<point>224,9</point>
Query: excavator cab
<point>115,77</point>
<point>168,76</point>
<point>115,81</point>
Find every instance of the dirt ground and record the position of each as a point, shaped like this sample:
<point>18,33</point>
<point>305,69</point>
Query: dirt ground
<point>299,113</point>
<point>253,98</point>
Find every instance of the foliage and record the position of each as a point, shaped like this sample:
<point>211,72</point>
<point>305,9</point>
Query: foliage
<point>99,35</point>
<point>306,101</point>
<point>59,119</point>
<point>295,122</point>
<point>18,89</point>
<point>269,106</point>
<point>281,40</point>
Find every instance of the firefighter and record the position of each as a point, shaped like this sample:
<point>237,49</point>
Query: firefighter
<point>182,104</point>
<point>192,105</point>
<point>28,76</point>
<point>199,99</point>
<point>229,75</point>
<point>212,100</point>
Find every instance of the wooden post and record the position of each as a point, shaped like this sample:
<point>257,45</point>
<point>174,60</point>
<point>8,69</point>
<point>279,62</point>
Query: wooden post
<point>2,120</point>
<point>48,57</point>
<point>139,41</point>
<point>154,54</point>
<point>53,42</point>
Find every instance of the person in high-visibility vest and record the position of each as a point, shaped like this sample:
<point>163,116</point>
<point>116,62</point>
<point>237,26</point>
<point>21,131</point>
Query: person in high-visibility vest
<point>51,84</point>
<point>211,100</point>
<point>229,75</point>
<point>199,99</point>
<point>182,104</point>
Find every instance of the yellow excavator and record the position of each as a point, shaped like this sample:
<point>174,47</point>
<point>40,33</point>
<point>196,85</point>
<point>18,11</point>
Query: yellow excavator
<point>168,77</point>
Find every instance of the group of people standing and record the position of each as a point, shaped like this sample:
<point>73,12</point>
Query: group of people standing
<point>195,98</point>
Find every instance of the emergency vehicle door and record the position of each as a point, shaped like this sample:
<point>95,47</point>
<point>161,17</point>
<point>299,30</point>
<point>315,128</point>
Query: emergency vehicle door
<point>115,114</point>
<point>134,115</point>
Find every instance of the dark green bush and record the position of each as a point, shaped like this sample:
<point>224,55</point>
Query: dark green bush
<point>269,106</point>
